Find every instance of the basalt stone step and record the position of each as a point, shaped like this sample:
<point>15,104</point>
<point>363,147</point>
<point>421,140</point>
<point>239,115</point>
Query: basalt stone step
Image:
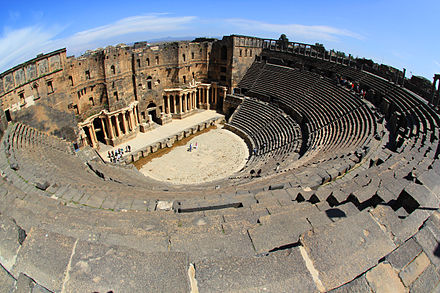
<point>11,239</point>
<point>404,254</point>
<point>281,271</point>
<point>101,268</point>
<point>45,256</point>
<point>345,249</point>
<point>342,211</point>
<point>7,282</point>
<point>212,245</point>
<point>359,284</point>
<point>401,228</point>
<point>26,284</point>
<point>280,229</point>
<point>431,180</point>
<point>424,197</point>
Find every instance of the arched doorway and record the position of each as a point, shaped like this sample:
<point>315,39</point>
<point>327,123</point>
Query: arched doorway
<point>151,110</point>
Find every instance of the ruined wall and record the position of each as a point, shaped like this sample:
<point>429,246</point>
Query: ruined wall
<point>118,71</point>
<point>167,65</point>
<point>35,93</point>
<point>53,93</point>
<point>85,80</point>
<point>231,57</point>
<point>244,51</point>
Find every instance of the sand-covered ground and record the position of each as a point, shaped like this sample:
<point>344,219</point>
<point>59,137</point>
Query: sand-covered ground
<point>219,153</point>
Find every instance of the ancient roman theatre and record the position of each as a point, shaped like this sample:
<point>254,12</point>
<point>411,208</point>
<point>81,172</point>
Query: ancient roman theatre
<point>238,164</point>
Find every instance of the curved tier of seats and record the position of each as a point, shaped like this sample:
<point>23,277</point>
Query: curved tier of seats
<point>275,136</point>
<point>334,121</point>
<point>344,218</point>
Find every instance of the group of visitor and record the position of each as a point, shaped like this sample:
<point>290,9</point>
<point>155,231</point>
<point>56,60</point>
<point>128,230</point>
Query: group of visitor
<point>191,147</point>
<point>116,156</point>
<point>354,87</point>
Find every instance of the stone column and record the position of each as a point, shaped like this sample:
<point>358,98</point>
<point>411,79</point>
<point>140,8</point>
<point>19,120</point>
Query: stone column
<point>124,123</point>
<point>103,128</point>
<point>207,98</point>
<point>136,115</point>
<point>89,129</point>
<point>93,135</point>
<point>180,103</point>
<point>168,105</point>
<point>118,128</point>
<point>185,98</point>
<point>111,131</point>
<point>130,125</point>
<point>130,114</point>
<point>199,96</point>
<point>189,97</point>
<point>175,103</point>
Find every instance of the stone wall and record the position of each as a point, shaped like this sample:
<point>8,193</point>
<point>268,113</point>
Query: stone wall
<point>61,91</point>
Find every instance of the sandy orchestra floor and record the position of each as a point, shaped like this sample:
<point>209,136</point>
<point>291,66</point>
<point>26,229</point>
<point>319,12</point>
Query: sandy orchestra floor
<point>219,153</point>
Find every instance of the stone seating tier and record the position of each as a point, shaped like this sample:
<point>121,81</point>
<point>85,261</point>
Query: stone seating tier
<point>351,214</point>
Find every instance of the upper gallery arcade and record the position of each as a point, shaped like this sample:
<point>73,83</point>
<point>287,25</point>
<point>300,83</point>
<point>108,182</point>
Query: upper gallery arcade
<point>114,92</point>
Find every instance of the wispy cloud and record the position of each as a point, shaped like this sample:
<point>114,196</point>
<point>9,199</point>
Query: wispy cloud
<point>22,44</point>
<point>311,32</point>
<point>19,45</point>
<point>157,23</point>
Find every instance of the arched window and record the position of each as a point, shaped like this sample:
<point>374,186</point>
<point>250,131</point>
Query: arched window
<point>157,60</point>
<point>184,79</point>
<point>241,52</point>
<point>192,55</point>
<point>148,61</point>
<point>184,57</point>
<point>113,69</point>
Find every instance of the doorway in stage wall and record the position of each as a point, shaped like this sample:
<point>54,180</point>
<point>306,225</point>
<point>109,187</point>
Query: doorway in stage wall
<point>99,131</point>
<point>151,110</point>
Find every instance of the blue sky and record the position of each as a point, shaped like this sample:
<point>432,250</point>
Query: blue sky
<point>398,33</point>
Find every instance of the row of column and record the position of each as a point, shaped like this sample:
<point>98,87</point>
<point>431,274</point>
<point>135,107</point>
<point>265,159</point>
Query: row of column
<point>113,126</point>
<point>180,103</point>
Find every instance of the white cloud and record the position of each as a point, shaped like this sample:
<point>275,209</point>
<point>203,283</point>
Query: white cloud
<point>156,23</point>
<point>312,32</point>
<point>19,45</point>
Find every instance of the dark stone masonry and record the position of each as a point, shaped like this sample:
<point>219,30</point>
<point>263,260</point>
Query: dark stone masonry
<point>340,192</point>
